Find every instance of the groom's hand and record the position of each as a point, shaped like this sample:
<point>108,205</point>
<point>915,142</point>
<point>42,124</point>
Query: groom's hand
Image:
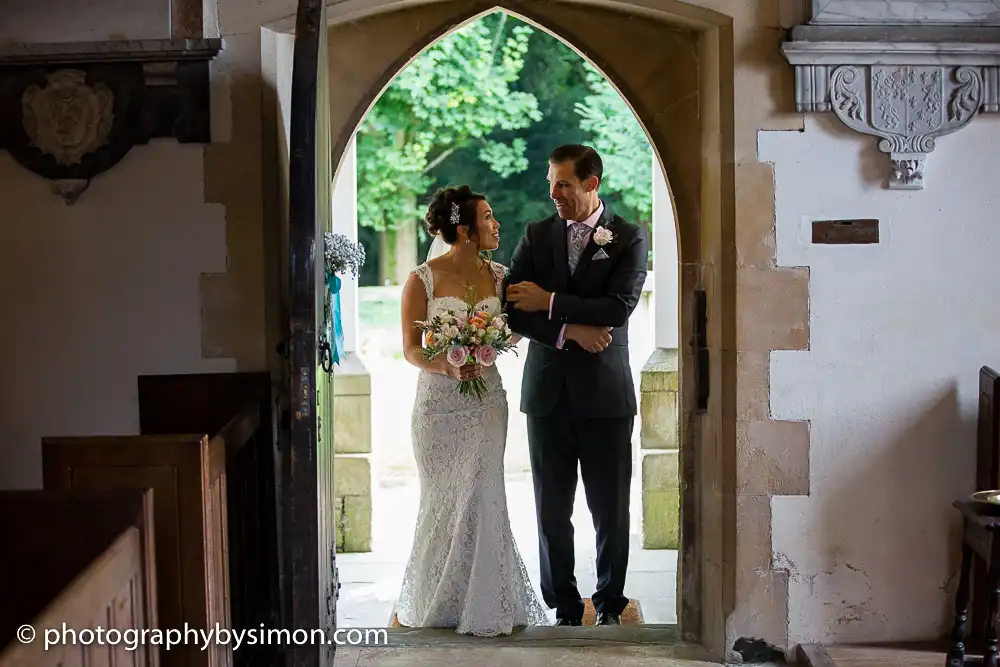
<point>528,297</point>
<point>592,339</point>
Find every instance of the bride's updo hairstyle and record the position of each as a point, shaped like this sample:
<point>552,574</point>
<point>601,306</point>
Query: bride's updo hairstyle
<point>451,208</point>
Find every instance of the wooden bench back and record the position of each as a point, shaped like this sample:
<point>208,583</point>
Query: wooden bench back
<point>187,476</point>
<point>80,558</point>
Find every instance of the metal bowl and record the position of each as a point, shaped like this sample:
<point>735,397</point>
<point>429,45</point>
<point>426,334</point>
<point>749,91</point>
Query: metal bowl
<point>987,501</point>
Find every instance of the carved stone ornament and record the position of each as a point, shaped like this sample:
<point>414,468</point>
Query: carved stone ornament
<point>70,189</point>
<point>885,72</point>
<point>67,118</point>
<point>908,107</point>
<point>71,111</point>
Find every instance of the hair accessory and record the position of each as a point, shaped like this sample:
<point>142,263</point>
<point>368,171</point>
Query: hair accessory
<point>454,214</point>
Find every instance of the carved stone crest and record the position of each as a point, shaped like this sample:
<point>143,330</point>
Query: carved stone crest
<point>68,118</point>
<point>70,123</point>
<point>908,107</point>
<point>906,71</point>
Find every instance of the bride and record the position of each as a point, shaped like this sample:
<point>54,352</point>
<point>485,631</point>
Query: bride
<point>464,571</point>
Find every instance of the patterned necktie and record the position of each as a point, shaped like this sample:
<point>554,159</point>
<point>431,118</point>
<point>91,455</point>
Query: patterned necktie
<point>578,236</point>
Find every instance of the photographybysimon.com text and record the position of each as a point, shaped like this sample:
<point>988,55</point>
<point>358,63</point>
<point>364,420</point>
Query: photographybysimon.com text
<point>132,639</point>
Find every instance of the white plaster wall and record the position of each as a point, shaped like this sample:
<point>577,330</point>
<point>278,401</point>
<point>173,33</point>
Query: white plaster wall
<point>345,221</point>
<point>898,332</point>
<point>83,20</point>
<point>666,307</point>
<point>97,293</point>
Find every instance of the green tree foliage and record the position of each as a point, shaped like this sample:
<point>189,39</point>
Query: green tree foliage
<point>616,134</point>
<point>554,74</point>
<point>454,95</point>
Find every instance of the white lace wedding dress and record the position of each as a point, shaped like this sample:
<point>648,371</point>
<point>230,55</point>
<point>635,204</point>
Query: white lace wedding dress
<point>465,571</point>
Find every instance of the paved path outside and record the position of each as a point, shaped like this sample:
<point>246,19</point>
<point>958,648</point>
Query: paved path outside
<point>371,581</point>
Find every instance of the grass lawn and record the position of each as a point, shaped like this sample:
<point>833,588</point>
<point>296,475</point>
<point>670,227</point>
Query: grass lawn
<point>379,307</point>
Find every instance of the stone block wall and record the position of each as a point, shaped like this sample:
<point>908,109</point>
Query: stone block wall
<point>352,440</point>
<point>659,438</point>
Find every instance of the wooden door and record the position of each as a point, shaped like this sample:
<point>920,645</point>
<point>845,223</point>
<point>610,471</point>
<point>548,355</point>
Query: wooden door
<point>309,567</point>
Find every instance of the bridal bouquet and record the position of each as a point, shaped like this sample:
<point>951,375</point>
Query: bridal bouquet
<point>467,337</point>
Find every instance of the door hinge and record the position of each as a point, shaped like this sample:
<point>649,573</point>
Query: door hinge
<point>325,351</point>
<point>335,573</point>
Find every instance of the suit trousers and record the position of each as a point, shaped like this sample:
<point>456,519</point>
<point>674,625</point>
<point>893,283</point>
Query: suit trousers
<point>558,442</point>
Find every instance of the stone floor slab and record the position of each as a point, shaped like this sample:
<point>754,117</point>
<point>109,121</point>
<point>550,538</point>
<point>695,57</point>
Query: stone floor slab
<point>623,655</point>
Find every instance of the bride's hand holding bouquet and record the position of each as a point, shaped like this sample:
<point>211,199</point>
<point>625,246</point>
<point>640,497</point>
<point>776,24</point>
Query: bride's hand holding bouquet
<point>469,341</point>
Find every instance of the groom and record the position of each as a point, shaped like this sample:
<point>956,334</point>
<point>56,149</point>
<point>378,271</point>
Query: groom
<point>575,279</point>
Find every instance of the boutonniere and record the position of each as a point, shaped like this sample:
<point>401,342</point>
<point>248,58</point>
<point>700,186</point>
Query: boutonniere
<point>603,236</point>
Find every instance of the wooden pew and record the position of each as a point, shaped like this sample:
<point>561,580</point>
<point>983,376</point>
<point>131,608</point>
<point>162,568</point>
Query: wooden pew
<point>205,449</point>
<point>185,473</point>
<point>238,407</point>
<point>987,479</point>
<point>77,561</point>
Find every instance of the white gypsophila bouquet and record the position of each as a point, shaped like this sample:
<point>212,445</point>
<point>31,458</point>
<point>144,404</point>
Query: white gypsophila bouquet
<point>342,255</point>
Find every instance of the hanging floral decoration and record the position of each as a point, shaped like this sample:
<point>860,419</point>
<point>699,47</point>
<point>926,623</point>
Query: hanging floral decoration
<point>341,256</point>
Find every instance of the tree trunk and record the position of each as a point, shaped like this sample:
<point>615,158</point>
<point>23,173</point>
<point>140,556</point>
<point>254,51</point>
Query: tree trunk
<point>397,253</point>
<point>386,256</point>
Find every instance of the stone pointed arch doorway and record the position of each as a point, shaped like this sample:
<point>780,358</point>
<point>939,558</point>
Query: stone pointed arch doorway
<point>670,61</point>
<point>658,74</point>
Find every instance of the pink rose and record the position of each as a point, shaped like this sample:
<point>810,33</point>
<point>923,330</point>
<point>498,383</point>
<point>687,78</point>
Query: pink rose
<point>498,323</point>
<point>457,356</point>
<point>486,355</point>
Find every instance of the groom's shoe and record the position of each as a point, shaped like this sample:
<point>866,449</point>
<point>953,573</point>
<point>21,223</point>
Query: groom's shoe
<point>609,619</point>
<point>569,621</point>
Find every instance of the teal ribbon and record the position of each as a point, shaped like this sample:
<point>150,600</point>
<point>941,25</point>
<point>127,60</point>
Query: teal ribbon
<point>333,284</point>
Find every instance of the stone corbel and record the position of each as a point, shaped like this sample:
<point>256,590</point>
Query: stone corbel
<point>69,112</point>
<point>898,77</point>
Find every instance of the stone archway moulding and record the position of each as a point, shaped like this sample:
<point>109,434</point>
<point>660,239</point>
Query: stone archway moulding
<point>742,457</point>
<point>906,72</point>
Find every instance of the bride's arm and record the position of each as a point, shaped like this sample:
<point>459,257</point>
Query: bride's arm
<point>533,326</point>
<point>502,289</point>
<point>414,309</point>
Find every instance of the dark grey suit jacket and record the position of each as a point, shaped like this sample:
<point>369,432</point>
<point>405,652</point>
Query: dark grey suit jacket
<point>601,292</point>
